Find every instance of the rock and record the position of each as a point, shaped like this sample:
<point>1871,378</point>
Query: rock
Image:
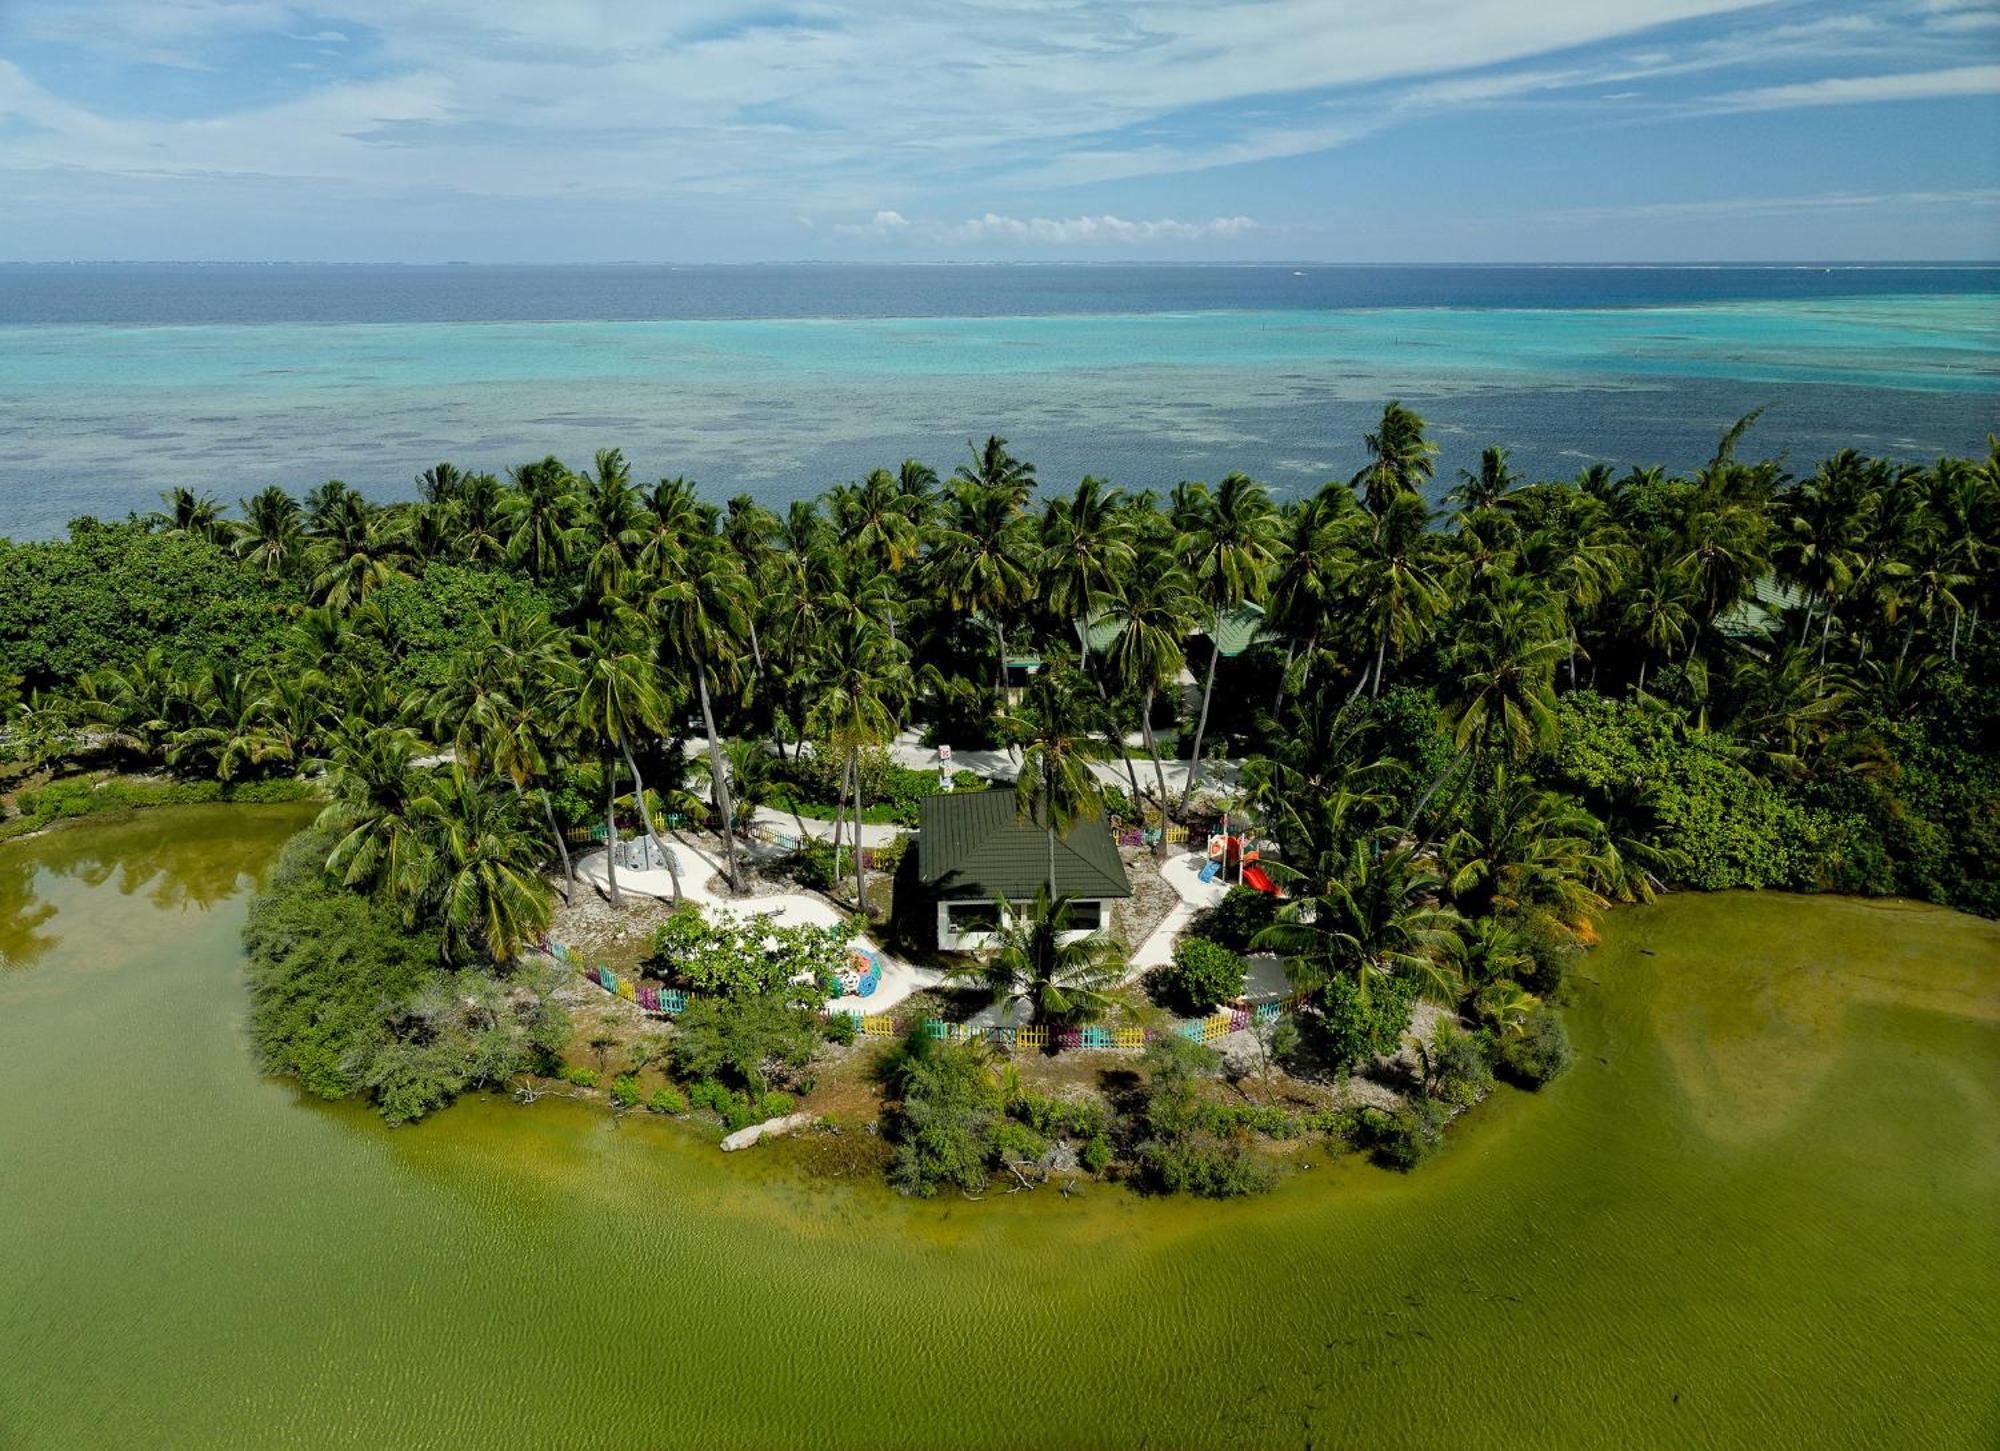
<point>770,1128</point>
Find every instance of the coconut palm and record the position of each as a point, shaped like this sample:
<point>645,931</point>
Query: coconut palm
<point>610,529</point>
<point>360,550</point>
<point>199,516</point>
<point>1057,730</point>
<point>478,868</point>
<point>1085,549</point>
<point>542,528</point>
<point>862,682</point>
<point>750,531</point>
<point>1314,564</point>
<point>269,535</point>
<point>978,562</point>
<point>1153,608</point>
<point>1394,582</point>
<point>375,784</point>
<point>700,608</point>
<point>1401,460</point>
<point>1063,978</point>
<point>997,471</point>
<point>1378,917</point>
<point>617,701</point>
<point>479,515</point>
<point>1230,552</point>
<point>1660,613</point>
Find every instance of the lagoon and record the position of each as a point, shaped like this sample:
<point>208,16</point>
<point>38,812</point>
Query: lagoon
<point>1758,1212</point>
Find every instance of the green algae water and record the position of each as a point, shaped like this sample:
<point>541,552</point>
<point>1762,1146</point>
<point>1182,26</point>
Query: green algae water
<point>1760,1212</point>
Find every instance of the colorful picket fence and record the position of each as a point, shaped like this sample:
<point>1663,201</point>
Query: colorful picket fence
<point>663,1002</point>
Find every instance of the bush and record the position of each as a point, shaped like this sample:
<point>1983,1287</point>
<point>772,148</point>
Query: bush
<point>774,1105</point>
<point>945,1118</point>
<point>667,1099</point>
<point>737,956</point>
<point>625,1091</point>
<point>1405,1137</point>
<point>1459,1073</point>
<point>1202,974</point>
<point>580,1075</point>
<point>840,1028</point>
<point>1210,1167</point>
<point>1348,1031</point>
<point>1096,1156</point>
<point>1542,1051</point>
<point>745,1042</point>
<point>1236,919</point>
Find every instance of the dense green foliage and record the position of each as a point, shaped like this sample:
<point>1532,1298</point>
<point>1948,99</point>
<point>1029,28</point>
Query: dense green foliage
<point>1472,721</point>
<point>347,999</point>
<point>1202,974</point>
<point>747,956</point>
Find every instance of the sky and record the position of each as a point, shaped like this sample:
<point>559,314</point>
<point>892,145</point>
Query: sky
<point>1045,130</point>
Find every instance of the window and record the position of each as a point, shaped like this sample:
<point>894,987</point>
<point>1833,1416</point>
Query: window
<point>974,917</point>
<point>1086,916</point>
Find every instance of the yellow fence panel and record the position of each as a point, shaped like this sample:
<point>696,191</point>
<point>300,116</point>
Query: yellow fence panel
<point>1128,1037</point>
<point>1033,1036</point>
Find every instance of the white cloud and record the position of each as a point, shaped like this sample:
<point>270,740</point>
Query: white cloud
<point>1969,80</point>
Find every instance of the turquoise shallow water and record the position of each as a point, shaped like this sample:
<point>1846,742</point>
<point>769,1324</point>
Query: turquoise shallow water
<point>102,416</point>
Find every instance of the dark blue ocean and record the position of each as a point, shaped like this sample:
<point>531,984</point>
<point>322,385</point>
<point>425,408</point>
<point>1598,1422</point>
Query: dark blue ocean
<point>118,381</point>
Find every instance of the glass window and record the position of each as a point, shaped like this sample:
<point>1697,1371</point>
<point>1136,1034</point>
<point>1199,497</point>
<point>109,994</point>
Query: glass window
<point>1086,916</point>
<point>974,917</point>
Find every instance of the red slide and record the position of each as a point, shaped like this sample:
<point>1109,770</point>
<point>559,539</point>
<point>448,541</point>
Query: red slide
<point>1258,878</point>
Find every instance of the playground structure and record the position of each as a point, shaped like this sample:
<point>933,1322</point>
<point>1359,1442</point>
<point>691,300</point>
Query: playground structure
<point>1227,853</point>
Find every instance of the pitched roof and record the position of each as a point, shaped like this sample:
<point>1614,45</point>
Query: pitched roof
<point>1242,627</point>
<point>972,844</point>
<point>1761,612</point>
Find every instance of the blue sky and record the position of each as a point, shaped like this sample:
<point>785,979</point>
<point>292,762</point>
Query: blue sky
<point>1337,130</point>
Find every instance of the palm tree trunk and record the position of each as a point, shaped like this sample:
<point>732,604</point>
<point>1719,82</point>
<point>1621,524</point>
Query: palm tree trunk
<point>562,845</point>
<point>1278,698</point>
<point>719,780</point>
<point>756,649</point>
<point>1439,780</point>
<point>860,869</point>
<point>1642,675</point>
<point>1825,629</point>
<point>1908,635</point>
<point>611,830</point>
<point>1000,628</point>
<point>1159,771</point>
<point>1381,647</point>
<point>646,821</point>
<point>839,820</point>
<point>1049,826</point>
<point>1201,726</point>
<point>1956,615</point>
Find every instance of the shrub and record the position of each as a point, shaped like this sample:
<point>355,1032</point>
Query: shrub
<point>774,1105</point>
<point>625,1091</point>
<point>745,1042</point>
<point>1236,919</point>
<point>1541,1052</point>
<point>840,1028</point>
<point>1404,1137</point>
<point>1209,1167</point>
<point>737,956</point>
<point>1202,974</point>
<point>580,1075</point>
<point>667,1099</point>
<point>1096,1156</point>
<point>945,1116</point>
<point>1459,1073</point>
<point>710,1095</point>
<point>1348,1031</point>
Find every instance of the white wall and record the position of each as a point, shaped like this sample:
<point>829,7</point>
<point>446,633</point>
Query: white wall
<point>973,941</point>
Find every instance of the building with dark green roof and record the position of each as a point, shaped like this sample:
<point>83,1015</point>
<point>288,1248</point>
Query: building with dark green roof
<point>974,851</point>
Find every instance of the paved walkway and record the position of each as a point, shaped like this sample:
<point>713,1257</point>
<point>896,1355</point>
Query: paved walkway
<point>899,979</point>
<point>908,750</point>
<point>1183,874</point>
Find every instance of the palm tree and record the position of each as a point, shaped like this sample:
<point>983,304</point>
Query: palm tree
<point>198,516</point>
<point>1400,459</point>
<point>1314,563</point>
<point>996,470</point>
<point>977,562</point>
<point>1397,589</point>
<point>360,551</point>
<point>618,700</point>
<point>225,728</point>
<point>480,515</point>
<point>1153,608</point>
<point>701,608</point>
<point>1062,981</point>
<point>609,533</point>
<point>1057,787</point>
<point>480,868</point>
<point>1378,918</point>
<point>873,519</point>
<point>543,533</point>
<point>1229,552</point>
<point>862,679</point>
<point>1085,549</point>
<point>375,785</point>
<point>328,502</point>
<point>440,484</point>
<point>1660,613</point>
<point>269,535</point>
<point>749,529</point>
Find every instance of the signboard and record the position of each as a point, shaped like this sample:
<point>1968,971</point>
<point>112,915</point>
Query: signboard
<point>944,753</point>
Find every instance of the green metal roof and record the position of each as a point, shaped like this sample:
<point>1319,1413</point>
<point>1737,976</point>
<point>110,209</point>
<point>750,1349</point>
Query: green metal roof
<point>972,844</point>
<point>1242,627</point>
<point>1763,612</point>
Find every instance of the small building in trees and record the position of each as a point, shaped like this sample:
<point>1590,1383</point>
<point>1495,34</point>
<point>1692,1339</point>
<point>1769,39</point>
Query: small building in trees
<point>974,853</point>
